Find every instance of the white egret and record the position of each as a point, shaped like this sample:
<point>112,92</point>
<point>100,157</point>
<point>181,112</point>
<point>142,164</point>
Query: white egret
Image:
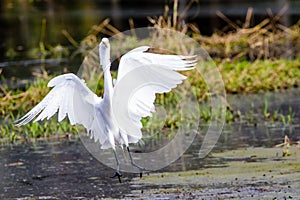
<point>71,97</point>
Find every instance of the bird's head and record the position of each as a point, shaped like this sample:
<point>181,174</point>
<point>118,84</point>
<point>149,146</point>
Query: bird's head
<point>105,42</point>
<point>104,53</point>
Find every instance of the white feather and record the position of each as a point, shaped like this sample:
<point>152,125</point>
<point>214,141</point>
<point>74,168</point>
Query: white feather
<point>71,98</point>
<point>159,70</point>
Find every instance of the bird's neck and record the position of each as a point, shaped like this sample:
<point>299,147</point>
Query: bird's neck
<point>108,86</point>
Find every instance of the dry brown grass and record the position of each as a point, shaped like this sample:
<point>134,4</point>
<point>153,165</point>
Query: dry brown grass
<point>269,39</point>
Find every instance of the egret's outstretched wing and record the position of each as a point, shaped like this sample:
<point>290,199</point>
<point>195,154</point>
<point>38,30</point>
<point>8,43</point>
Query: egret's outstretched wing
<point>69,97</point>
<point>148,74</point>
<point>140,56</point>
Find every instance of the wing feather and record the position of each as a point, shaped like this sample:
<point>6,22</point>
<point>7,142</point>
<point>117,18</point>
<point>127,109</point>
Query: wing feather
<point>139,57</point>
<point>154,73</point>
<point>72,98</point>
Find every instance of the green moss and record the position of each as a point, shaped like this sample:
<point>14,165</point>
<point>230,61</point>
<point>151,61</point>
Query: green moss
<point>246,165</point>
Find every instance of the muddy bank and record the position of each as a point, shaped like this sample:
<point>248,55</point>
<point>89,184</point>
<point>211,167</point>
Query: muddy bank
<point>251,173</point>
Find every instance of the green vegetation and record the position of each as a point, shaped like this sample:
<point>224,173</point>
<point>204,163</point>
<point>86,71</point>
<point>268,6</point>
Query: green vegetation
<point>250,60</point>
<point>260,75</point>
<point>231,174</point>
<point>246,77</point>
<point>15,103</point>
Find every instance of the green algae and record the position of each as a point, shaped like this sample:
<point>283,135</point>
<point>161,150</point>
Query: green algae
<point>242,174</point>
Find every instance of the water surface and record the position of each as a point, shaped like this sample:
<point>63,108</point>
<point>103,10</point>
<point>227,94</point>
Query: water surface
<point>65,169</point>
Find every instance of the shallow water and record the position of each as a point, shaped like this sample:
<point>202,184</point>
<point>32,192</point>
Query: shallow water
<point>61,169</point>
<point>243,164</point>
<point>64,169</point>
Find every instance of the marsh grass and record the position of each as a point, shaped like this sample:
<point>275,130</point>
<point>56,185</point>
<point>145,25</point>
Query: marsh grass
<point>251,60</point>
<point>14,104</point>
<point>269,39</point>
<point>260,75</point>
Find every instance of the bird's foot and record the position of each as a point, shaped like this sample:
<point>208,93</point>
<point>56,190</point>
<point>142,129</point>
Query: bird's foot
<point>135,165</point>
<point>141,169</point>
<point>119,175</point>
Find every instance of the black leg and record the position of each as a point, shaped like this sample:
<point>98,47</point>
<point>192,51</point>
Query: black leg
<point>117,174</point>
<point>134,164</point>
